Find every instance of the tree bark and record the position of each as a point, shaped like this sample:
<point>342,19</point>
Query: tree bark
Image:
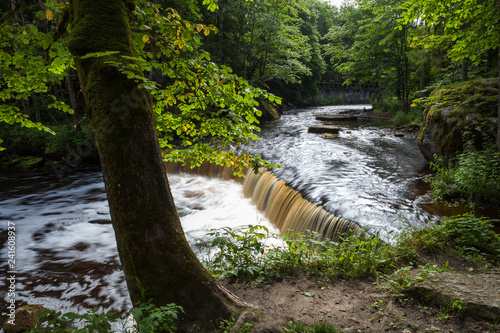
<point>498,122</point>
<point>72,97</point>
<point>464,74</point>
<point>157,261</point>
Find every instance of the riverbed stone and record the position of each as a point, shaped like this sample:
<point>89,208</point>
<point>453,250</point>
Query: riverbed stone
<point>26,318</point>
<point>270,111</point>
<point>324,129</point>
<point>475,295</point>
<point>456,109</point>
<point>326,117</point>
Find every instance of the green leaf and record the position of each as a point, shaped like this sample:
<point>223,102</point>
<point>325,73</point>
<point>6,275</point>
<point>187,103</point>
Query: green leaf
<point>98,54</point>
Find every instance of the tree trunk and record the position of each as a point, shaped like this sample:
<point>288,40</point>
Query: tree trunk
<point>498,123</point>
<point>157,261</point>
<point>72,98</point>
<point>465,70</point>
<point>220,35</point>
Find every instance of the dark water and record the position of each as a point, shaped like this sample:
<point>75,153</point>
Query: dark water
<point>65,248</point>
<point>66,256</point>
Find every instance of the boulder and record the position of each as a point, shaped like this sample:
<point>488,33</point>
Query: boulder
<point>26,318</point>
<point>270,111</point>
<point>459,108</point>
<point>474,295</point>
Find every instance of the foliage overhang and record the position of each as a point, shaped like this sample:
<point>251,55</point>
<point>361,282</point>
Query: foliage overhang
<point>203,110</point>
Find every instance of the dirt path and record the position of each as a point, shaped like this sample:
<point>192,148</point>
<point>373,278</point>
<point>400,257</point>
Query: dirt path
<point>353,306</point>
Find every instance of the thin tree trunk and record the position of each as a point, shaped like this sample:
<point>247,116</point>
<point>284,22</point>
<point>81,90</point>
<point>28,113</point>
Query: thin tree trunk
<point>498,124</point>
<point>46,108</point>
<point>72,98</point>
<point>157,260</point>
<point>13,7</point>
<point>406,70</point>
<point>221,31</point>
<point>27,111</point>
<point>465,70</point>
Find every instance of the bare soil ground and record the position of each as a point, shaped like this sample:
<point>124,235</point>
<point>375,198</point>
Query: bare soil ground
<point>352,306</point>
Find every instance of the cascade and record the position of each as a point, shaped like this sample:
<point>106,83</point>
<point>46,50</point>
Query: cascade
<point>205,169</point>
<point>284,206</point>
<point>289,211</point>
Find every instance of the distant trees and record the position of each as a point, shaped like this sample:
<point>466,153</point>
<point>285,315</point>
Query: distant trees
<point>262,41</point>
<point>366,47</point>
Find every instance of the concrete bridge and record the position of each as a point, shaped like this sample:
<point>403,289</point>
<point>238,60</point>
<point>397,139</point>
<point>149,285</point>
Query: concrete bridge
<point>354,92</point>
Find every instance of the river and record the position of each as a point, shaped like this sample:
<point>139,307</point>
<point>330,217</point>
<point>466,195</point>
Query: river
<point>366,174</point>
<point>66,256</point>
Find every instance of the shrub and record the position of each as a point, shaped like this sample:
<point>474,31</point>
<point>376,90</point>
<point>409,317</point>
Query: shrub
<point>150,319</point>
<point>237,254</point>
<point>412,118</point>
<point>473,174</point>
<point>90,321</point>
<point>30,141</point>
<point>242,255</point>
<point>460,235</point>
<point>334,100</point>
<point>388,105</point>
<point>146,319</point>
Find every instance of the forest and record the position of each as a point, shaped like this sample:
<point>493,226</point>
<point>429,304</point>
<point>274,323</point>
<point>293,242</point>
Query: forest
<point>284,47</point>
<point>129,85</point>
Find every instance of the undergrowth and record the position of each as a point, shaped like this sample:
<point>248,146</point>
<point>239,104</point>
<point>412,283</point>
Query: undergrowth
<point>473,174</point>
<point>242,255</point>
<point>400,116</point>
<point>412,118</point>
<point>335,100</point>
<point>145,318</point>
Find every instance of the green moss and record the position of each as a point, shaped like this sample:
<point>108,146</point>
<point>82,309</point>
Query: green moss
<point>269,110</point>
<point>478,96</point>
<point>459,108</point>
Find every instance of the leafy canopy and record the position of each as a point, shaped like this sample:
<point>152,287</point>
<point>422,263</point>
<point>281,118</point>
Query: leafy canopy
<point>466,28</point>
<point>31,61</point>
<point>203,111</point>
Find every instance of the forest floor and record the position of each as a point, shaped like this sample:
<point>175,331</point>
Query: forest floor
<point>358,305</point>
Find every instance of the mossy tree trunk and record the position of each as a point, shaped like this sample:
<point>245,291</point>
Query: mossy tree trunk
<point>157,260</point>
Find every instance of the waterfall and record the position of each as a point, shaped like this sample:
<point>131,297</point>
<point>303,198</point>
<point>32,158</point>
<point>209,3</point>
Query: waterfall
<point>289,211</point>
<point>205,169</point>
<point>284,206</point>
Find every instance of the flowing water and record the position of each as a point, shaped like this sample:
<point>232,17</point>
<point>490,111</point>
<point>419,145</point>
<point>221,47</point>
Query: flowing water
<point>65,248</point>
<point>365,174</point>
<point>66,257</point>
